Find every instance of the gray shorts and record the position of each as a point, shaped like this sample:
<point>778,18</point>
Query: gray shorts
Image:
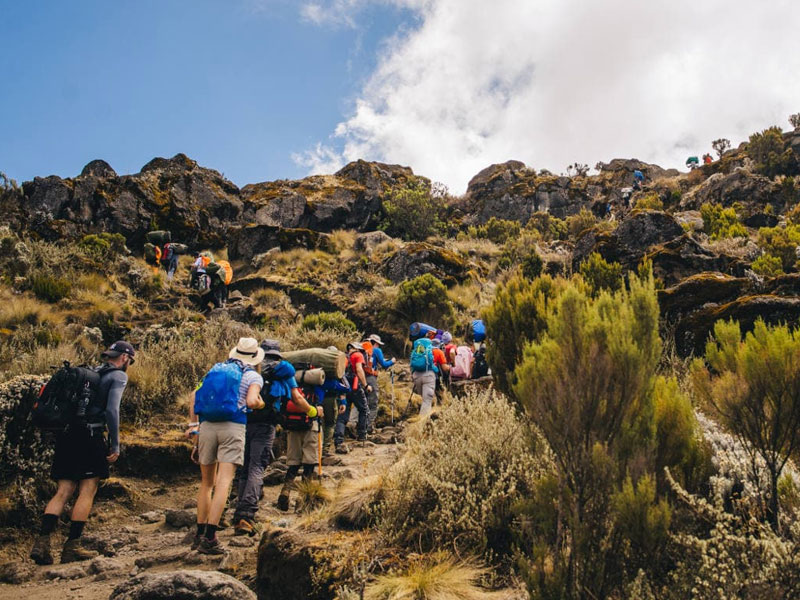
<point>301,446</point>
<point>221,442</point>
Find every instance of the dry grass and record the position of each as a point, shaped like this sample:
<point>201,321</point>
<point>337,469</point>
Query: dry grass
<point>343,240</point>
<point>432,578</point>
<point>312,495</point>
<point>93,282</point>
<point>484,249</point>
<point>42,360</point>
<point>354,502</point>
<point>21,309</point>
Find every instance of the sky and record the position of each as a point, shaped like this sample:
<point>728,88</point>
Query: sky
<point>270,89</point>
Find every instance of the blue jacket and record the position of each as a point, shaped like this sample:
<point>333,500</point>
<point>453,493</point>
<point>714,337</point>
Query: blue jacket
<point>378,359</point>
<point>331,386</point>
<point>282,382</point>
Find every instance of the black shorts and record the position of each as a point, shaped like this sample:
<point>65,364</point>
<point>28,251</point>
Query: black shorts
<point>80,454</point>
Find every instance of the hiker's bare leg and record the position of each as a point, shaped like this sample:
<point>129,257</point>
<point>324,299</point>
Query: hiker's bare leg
<point>87,488</point>
<point>222,488</point>
<point>207,475</point>
<point>64,492</point>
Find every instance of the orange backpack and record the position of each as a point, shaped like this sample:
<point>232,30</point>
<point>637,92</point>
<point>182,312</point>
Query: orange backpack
<point>228,270</point>
<point>368,370</point>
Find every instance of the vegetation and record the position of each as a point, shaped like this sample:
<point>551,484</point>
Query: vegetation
<point>549,227</point>
<point>531,264</point>
<point>650,201</point>
<point>781,242</point>
<point>767,265</point>
<point>334,321</point>
<point>721,223</point>
<point>794,120</point>
<point>600,274</point>
<point>721,146</point>
<point>753,385</point>
<point>497,230</point>
<point>412,213</point>
<point>577,224</point>
<point>103,246</point>
<point>770,153</point>
<point>424,298</point>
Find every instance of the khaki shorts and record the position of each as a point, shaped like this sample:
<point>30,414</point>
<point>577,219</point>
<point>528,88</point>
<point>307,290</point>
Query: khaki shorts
<point>221,443</point>
<point>301,447</point>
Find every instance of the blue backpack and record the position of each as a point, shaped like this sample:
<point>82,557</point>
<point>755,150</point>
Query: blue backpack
<point>422,356</point>
<point>217,398</point>
<point>478,330</point>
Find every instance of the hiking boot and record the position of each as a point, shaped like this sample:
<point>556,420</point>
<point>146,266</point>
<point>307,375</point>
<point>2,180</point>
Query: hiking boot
<point>283,501</point>
<point>41,553</point>
<point>342,449</point>
<point>211,547</point>
<point>246,527</point>
<point>196,541</point>
<point>74,552</point>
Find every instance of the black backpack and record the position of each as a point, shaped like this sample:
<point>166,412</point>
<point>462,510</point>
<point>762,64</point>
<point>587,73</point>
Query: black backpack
<point>69,398</point>
<point>480,368</point>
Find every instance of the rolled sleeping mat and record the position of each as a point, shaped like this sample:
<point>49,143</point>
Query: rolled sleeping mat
<point>159,238</point>
<point>333,362</point>
<point>419,330</point>
<point>310,377</point>
<point>180,248</point>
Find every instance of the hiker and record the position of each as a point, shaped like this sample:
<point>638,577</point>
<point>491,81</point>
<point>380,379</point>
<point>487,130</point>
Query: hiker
<point>259,438</point>
<point>358,388</point>
<point>692,163</point>
<point>199,279</point>
<point>448,347</point>
<point>707,159</point>
<point>301,420</point>
<point>638,179</point>
<point>372,345</point>
<point>627,192</point>
<point>218,424</point>
<point>83,455</point>
<point>220,274</point>
<point>462,363</point>
<point>480,366</point>
<point>332,395</point>
<point>169,259</point>
<point>423,373</point>
<point>442,368</point>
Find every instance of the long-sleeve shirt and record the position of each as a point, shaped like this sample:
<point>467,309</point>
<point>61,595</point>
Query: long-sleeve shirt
<point>379,360</point>
<point>112,384</point>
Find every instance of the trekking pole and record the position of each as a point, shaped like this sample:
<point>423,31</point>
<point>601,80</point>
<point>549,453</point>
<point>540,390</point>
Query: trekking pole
<point>319,445</point>
<point>391,375</point>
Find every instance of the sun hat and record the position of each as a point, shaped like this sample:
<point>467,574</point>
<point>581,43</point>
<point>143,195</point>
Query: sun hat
<point>356,345</point>
<point>447,337</point>
<point>119,348</point>
<point>248,351</point>
<point>375,339</point>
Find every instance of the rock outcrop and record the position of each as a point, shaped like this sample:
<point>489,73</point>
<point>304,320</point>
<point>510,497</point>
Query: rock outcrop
<point>742,186</point>
<point>415,259</point>
<point>200,585</point>
<point>246,242</point>
<point>684,256</point>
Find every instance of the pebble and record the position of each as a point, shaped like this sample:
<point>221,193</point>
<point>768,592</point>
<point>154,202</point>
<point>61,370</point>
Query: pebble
<point>180,518</point>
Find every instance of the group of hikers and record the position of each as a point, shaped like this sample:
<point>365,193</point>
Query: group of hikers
<point>693,162</point>
<point>233,417</point>
<point>208,277</point>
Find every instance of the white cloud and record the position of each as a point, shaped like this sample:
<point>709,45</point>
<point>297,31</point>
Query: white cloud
<point>320,159</point>
<point>552,82</point>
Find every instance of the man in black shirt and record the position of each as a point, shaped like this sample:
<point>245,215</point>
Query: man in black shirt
<point>82,457</point>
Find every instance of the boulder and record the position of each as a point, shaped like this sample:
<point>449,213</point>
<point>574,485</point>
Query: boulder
<point>245,243</point>
<point>415,259</point>
<point>741,185</point>
<point>699,291</point>
<point>98,168</point>
<point>199,585</point>
<point>760,219</point>
<point>16,572</point>
<point>289,566</point>
<point>682,257</point>
<point>365,241</point>
<point>180,518</point>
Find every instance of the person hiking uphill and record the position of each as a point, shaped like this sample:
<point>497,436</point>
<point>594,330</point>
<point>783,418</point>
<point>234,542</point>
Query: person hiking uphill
<point>259,438</point>
<point>332,395</point>
<point>638,179</point>
<point>372,346</point>
<point>423,373</point>
<point>169,259</point>
<point>83,455</point>
<point>356,396</point>
<point>301,420</point>
<point>218,423</point>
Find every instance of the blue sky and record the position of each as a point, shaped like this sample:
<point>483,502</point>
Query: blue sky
<point>238,85</point>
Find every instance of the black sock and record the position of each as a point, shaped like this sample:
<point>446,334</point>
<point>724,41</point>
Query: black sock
<point>76,529</point>
<point>201,529</point>
<point>49,523</point>
<point>211,531</point>
<point>308,471</point>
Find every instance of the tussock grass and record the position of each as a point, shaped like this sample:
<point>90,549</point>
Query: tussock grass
<point>432,579</point>
<point>16,310</point>
<point>312,494</point>
<point>343,240</point>
<point>354,501</point>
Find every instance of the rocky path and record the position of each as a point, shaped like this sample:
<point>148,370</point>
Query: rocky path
<point>132,542</point>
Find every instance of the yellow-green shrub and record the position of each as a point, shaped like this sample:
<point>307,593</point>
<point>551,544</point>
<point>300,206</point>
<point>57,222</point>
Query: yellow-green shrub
<point>424,298</point>
<point>781,242</point>
<point>577,224</point>
<point>600,274</point>
<point>49,287</point>
<point>767,265</point>
<point>721,223</point>
<point>335,321</point>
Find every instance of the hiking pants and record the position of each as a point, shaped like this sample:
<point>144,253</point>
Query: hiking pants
<point>359,399</point>
<point>372,401</point>
<point>330,406</point>
<point>257,449</point>
<point>425,386</point>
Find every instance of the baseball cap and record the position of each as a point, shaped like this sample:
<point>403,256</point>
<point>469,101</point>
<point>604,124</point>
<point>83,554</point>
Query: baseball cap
<point>119,348</point>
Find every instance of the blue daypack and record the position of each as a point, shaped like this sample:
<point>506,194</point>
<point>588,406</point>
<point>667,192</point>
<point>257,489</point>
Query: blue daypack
<point>217,398</point>
<point>478,330</point>
<point>422,356</point>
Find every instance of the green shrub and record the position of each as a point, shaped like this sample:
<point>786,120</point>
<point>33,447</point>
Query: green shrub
<point>767,265</point>
<point>531,264</point>
<point>600,274</point>
<point>650,201</point>
<point>424,298</point>
<point>332,321</point>
<point>459,478</point>
<point>781,242</point>
<point>770,153</point>
<point>102,246</point>
<point>515,317</point>
<point>577,224</point>
<point>412,213</point>
<point>516,250</point>
<point>721,223</point>
<point>549,227</point>
<point>50,288</point>
<point>498,230</point>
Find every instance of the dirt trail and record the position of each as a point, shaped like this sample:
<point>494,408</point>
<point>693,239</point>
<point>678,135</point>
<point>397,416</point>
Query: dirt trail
<point>134,541</point>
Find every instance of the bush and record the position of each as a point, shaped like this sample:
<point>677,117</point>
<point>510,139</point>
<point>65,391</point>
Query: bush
<point>331,321</point>
<point>103,246</point>
<point>600,274</point>
<point>459,478</point>
<point>577,224</point>
<point>531,264</point>
<point>424,298</point>
<point>516,250</point>
<point>50,288</point>
<point>651,201</point>
<point>770,154</point>
<point>782,243</point>
<point>516,316</point>
<point>549,227</point>
<point>767,265</point>
<point>721,223</point>
<point>499,230</point>
<point>412,213</point>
